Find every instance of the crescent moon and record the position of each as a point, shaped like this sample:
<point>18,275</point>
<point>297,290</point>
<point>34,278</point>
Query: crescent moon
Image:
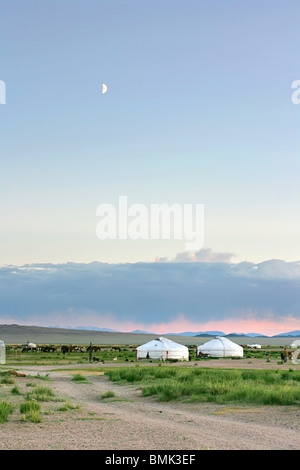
<point>104,88</point>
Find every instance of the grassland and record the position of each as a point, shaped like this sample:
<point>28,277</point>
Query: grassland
<point>116,354</point>
<point>185,382</point>
<point>28,398</point>
<point>271,387</point>
<point>77,400</point>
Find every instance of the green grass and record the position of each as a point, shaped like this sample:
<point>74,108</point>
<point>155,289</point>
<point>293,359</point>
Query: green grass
<point>30,384</point>
<point>263,387</point>
<point>107,353</point>
<point>34,417</point>
<point>80,378</point>
<point>43,377</point>
<point>68,406</point>
<point>108,394</point>
<point>6,379</point>
<point>27,397</point>
<point>15,390</point>
<point>41,394</point>
<point>28,406</point>
<point>6,409</point>
<point>31,411</point>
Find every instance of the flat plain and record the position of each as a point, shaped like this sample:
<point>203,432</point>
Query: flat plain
<point>96,413</point>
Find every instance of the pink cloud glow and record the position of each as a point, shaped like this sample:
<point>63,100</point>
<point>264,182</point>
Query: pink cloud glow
<point>266,327</point>
<point>248,324</point>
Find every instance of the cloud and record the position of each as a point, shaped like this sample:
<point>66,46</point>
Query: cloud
<point>151,295</point>
<point>205,255</point>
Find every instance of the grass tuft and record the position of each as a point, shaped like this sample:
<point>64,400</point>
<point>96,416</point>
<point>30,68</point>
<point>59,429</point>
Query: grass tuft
<point>41,394</point>
<point>30,411</point>
<point>108,394</point>
<point>68,406</point>
<point>80,378</point>
<point>6,409</point>
<point>15,390</point>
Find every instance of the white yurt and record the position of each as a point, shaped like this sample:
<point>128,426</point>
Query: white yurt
<point>162,349</point>
<point>220,347</point>
<point>296,343</point>
<point>2,353</point>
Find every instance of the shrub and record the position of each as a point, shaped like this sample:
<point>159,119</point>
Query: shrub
<point>41,394</point>
<point>31,411</point>
<point>43,377</point>
<point>28,406</point>
<point>7,380</point>
<point>79,378</point>
<point>68,406</point>
<point>34,416</point>
<point>15,390</point>
<point>108,394</point>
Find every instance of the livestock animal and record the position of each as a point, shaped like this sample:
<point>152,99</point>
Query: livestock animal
<point>17,374</point>
<point>201,354</point>
<point>29,347</point>
<point>285,355</point>
<point>47,348</point>
<point>94,348</point>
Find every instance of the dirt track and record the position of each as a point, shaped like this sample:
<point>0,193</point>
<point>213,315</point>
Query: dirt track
<point>130,422</point>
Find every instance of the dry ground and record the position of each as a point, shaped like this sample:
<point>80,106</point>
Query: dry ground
<point>129,422</point>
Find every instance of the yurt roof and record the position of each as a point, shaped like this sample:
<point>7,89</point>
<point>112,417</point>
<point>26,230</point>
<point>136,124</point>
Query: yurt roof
<point>220,343</point>
<point>162,343</point>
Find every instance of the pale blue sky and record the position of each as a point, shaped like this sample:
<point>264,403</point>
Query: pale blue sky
<point>198,110</point>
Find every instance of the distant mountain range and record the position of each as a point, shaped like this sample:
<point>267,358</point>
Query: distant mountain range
<point>216,333</point>
<point>290,333</point>
<point>14,334</point>
<point>75,330</point>
<point>91,328</point>
<point>198,333</point>
<point>295,333</point>
<point>141,332</point>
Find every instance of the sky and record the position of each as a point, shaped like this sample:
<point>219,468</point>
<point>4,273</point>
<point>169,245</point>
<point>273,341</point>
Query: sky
<point>200,110</point>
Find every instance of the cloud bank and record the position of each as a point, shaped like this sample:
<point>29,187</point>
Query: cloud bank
<point>206,255</point>
<point>161,296</point>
